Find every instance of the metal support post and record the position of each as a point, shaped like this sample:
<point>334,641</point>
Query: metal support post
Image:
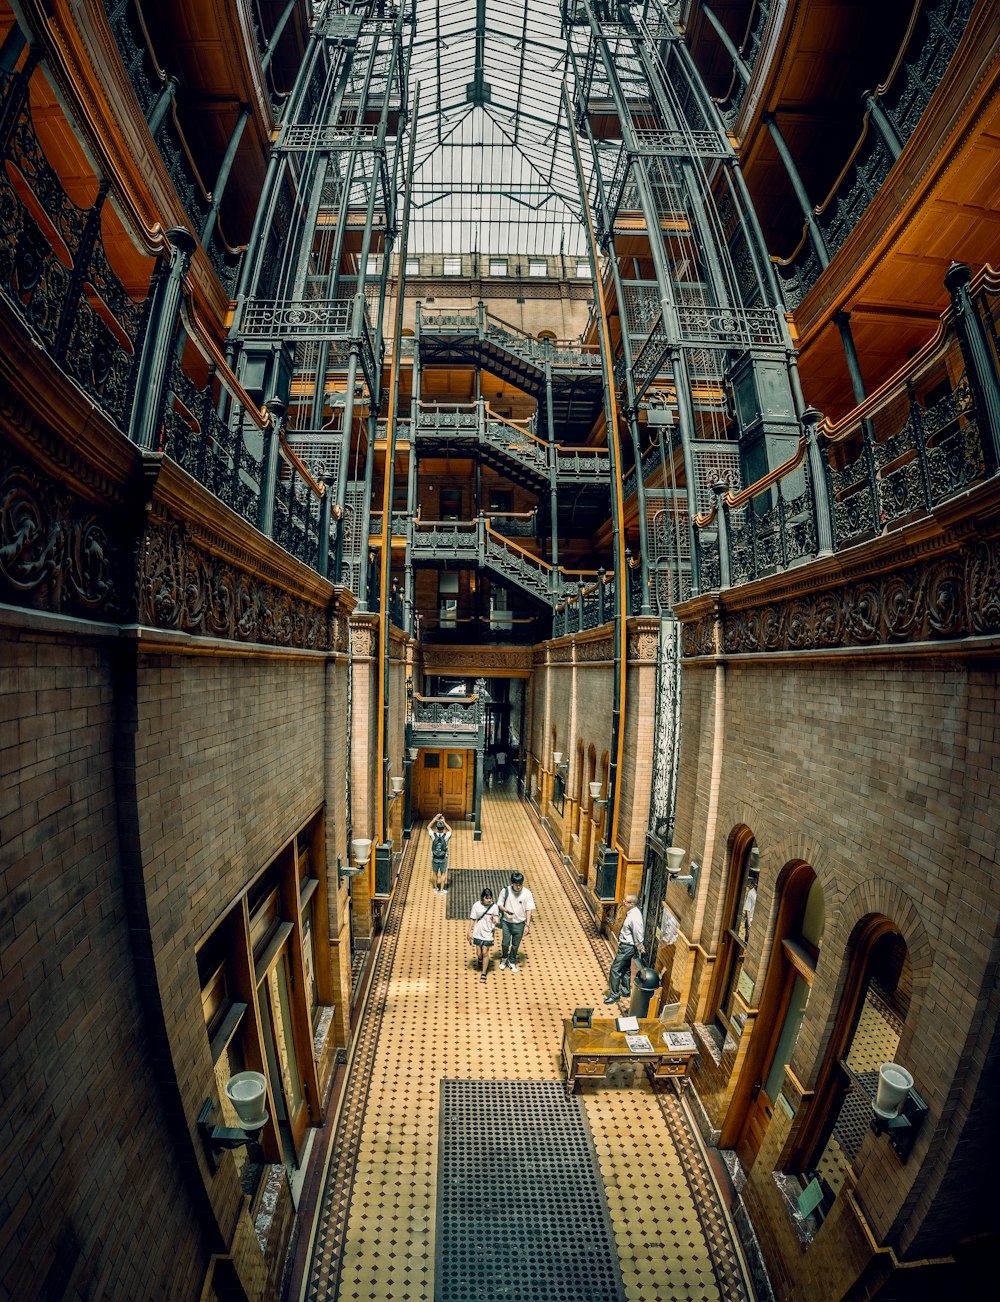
<point>269,474</point>
<point>158,344</point>
<point>553,475</point>
<point>820,486</point>
<point>812,226</point>
<point>222,178</point>
<point>739,63</point>
<point>720,488</point>
<point>980,361</point>
<point>884,129</point>
<point>159,110</point>
<point>842,320</point>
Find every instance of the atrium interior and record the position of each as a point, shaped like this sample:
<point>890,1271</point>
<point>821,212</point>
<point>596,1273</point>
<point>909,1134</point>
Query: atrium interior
<point>578,420</point>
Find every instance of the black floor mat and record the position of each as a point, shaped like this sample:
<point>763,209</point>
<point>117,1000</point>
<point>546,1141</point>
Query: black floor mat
<point>522,1215</point>
<point>465,885</point>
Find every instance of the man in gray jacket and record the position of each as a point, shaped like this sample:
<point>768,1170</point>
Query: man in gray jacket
<point>630,941</point>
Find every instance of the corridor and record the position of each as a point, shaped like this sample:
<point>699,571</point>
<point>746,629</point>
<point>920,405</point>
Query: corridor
<point>428,1019</point>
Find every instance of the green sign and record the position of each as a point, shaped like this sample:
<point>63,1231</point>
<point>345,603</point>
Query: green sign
<point>745,987</point>
<point>810,1198</point>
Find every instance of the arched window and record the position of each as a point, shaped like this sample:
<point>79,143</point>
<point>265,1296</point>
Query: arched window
<point>873,1010</point>
<point>738,910</point>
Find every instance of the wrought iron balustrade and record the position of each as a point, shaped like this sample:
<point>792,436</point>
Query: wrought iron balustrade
<point>451,712</point>
<point>445,539</point>
<point>930,432</point>
<point>582,463</point>
<point>56,276</point>
<point>146,79</point>
<point>916,75</point>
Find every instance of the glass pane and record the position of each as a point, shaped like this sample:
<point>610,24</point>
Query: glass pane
<point>789,1034</point>
<point>455,761</point>
<point>284,1041</point>
<point>432,760</point>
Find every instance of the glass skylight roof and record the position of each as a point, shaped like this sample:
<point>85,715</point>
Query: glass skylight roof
<point>494,170</point>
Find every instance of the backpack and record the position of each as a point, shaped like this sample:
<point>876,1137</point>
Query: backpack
<point>439,846</point>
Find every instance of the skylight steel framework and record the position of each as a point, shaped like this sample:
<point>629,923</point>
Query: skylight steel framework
<point>702,342</point>
<point>308,324</point>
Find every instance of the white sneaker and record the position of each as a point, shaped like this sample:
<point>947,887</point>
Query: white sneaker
<point>503,964</point>
<point>512,966</point>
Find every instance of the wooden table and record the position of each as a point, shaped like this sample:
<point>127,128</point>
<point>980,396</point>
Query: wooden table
<point>587,1052</point>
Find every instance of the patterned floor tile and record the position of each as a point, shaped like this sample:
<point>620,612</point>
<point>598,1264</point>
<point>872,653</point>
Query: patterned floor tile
<point>429,1018</point>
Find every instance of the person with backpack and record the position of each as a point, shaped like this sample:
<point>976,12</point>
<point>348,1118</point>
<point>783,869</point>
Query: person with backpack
<point>482,923</point>
<point>440,834</point>
<point>516,904</point>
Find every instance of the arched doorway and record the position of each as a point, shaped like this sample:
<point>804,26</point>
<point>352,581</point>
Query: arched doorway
<point>798,935</point>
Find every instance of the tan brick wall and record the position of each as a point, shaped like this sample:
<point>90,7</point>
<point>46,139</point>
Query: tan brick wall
<point>207,764</point>
<point>880,775</point>
<point>81,1115</point>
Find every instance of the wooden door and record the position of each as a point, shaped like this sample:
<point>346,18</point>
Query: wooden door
<point>453,781</point>
<point>430,788</point>
<point>784,1034</point>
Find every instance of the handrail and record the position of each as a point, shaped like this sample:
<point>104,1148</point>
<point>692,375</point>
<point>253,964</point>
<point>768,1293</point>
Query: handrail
<point>766,481</point>
<point>492,415</point>
<point>504,541</point>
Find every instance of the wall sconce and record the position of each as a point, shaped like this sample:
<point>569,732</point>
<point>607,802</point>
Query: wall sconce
<point>412,754</point>
<point>595,795</point>
<point>361,848</point>
<point>247,1091</point>
<point>675,857</point>
<point>898,1110</point>
<point>396,785</point>
<point>559,764</point>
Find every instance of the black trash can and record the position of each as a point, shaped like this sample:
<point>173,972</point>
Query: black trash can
<point>644,986</point>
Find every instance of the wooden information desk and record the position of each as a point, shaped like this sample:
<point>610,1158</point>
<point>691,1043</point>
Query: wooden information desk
<point>587,1051</point>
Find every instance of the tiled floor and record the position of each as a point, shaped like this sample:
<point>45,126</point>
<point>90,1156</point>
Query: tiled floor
<point>429,1018</point>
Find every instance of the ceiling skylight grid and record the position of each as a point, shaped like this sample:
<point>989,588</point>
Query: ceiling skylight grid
<point>494,170</point>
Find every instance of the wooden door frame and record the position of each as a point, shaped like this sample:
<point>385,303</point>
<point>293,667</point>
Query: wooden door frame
<point>739,848</point>
<point>829,1079</point>
<point>774,1000</point>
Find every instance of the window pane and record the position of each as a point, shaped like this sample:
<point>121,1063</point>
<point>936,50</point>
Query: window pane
<point>455,761</point>
<point>432,760</point>
<point>583,271</point>
<point>453,266</point>
<point>498,266</point>
<point>413,266</point>
<point>538,268</point>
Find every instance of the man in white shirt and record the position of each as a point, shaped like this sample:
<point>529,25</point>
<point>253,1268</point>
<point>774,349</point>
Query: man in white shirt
<point>630,940</point>
<point>517,904</point>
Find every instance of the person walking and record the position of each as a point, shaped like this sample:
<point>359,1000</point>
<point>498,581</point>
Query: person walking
<point>516,904</point>
<point>482,922</point>
<point>630,940</point>
<point>440,834</point>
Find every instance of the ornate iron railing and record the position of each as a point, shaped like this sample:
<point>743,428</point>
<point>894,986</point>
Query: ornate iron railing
<point>57,276</point>
<point>560,353</point>
<point>930,432</point>
<point>930,43</point>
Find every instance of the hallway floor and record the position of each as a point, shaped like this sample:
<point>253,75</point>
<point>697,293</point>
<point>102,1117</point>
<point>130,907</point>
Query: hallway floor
<point>428,1018</point>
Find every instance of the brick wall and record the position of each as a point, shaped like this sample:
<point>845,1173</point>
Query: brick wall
<point>82,1117</point>
<point>877,773</point>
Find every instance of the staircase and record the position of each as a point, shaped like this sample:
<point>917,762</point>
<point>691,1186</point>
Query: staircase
<point>474,543</point>
<point>513,449</point>
<point>476,336</point>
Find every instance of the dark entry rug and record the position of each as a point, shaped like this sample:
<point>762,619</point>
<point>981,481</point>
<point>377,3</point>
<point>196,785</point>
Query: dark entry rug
<point>522,1215</point>
<point>465,886</point>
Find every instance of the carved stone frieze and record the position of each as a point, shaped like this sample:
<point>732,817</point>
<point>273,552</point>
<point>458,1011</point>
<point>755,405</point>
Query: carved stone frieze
<point>939,598</point>
<point>561,654</point>
<point>588,652</point>
<point>362,640</point>
<point>56,553</point>
<point>642,645</point>
<point>181,586</point>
